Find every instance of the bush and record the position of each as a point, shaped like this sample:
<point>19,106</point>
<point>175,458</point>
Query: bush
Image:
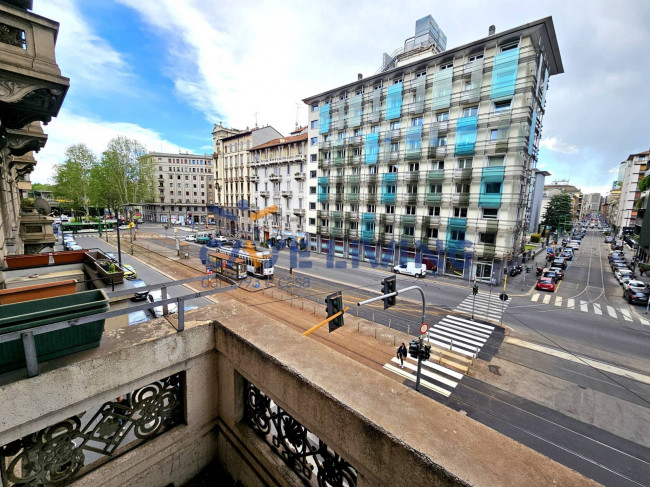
<point>535,237</point>
<point>607,234</point>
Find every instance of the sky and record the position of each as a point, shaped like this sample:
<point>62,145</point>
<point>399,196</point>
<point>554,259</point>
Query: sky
<point>165,71</point>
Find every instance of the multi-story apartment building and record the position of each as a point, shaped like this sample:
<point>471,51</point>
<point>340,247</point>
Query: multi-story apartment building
<point>435,154</point>
<point>563,187</point>
<point>186,188</point>
<point>231,148</point>
<point>278,172</point>
<point>633,171</point>
<point>536,200</point>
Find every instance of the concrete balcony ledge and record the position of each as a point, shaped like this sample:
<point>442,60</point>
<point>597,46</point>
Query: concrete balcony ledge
<point>388,432</point>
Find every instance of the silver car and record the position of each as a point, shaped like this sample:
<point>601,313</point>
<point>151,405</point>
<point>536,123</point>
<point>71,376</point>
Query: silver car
<point>157,311</point>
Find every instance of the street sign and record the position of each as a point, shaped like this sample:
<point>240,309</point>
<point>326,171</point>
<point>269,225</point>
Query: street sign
<point>208,269</point>
<point>424,328</point>
<point>503,297</point>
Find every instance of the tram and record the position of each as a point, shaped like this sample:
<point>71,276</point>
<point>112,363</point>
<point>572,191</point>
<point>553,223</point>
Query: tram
<point>259,264</point>
<point>228,266</point>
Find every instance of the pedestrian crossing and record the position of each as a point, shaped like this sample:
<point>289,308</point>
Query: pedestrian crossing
<point>485,306</point>
<point>459,335</point>
<point>585,306</point>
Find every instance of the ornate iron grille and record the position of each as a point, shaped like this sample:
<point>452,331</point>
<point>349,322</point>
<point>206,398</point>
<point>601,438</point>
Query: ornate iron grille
<point>12,35</point>
<point>300,449</point>
<point>56,455</point>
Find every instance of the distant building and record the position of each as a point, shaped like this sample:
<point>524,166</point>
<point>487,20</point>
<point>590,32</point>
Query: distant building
<point>590,204</point>
<point>536,200</point>
<point>633,171</point>
<point>563,187</point>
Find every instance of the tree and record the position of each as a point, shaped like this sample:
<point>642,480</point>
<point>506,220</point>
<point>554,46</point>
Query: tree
<point>559,212</point>
<point>72,178</point>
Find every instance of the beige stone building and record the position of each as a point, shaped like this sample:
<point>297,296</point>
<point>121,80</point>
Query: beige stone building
<point>231,151</point>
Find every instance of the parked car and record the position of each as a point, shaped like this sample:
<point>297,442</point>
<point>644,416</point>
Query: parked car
<point>559,262</point>
<point>636,285</point>
<point>68,244</point>
<point>616,246</point>
<point>411,268</point>
<point>190,238</point>
<point>552,275</point>
<point>636,296</point>
<point>129,272</point>
<point>75,247</point>
<point>212,243</point>
<point>616,254</point>
<point>621,273</point>
<point>111,256</point>
<point>559,272</point>
<point>157,311</point>
<point>545,284</point>
<point>609,239</point>
<point>567,254</point>
<point>139,295</point>
<point>431,265</point>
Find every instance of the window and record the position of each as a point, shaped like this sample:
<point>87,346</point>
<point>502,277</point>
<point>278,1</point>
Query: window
<point>312,190</point>
<point>357,151</point>
<point>437,165</point>
<point>360,91</point>
<point>458,234</point>
<point>442,117</point>
<point>392,168</point>
<point>390,209</point>
<point>502,106</point>
<point>326,156</point>
<point>435,188</point>
<point>372,189</point>
<point>441,142</point>
<point>494,134</point>
<point>374,129</point>
<point>312,157</point>
<point>395,125</point>
<point>470,111</point>
<point>410,209</point>
<point>354,189</point>
<point>465,163</point>
<point>354,225</point>
<point>432,233</point>
<point>314,140</point>
<point>358,132</point>
<point>416,122</point>
<point>446,66</point>
<point>325,223</point>
<point>487,238</point>
<point>340,136</point>
<point>510,46</point>
<point>409,230</point>
<point>314,124</point>
<point>312,174</point>
<point>370,208</point>
<point>397,81</point>
<point>372,169</point>
<point>491,213</point>
<point>312,205</point>
<point>377,86</point>
<point>412,188</point>
<point>420,74</point>
<point>312,221</point>
<point>414,166</point>
<point>388,228</point>
<point>474,57</point>
<point>390,189</point>
<point>343,96</point>
<point>354,208</point>
<point>394,146</point>
<point>434,211</point>
<point>496,161</point>
<point>492,188</point>
<point>460,212</point>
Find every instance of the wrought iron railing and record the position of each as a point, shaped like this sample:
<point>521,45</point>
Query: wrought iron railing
<point>305,453</point>
<point>57,454</point>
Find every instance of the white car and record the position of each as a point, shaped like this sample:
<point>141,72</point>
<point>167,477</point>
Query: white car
<point>621,273</point>
<point>412,269</point>
<point>633,284</point>
<point>157,311</point>
<point>190,238</point>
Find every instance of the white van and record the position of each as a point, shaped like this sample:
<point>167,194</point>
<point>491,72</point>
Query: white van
<point>412,269</point>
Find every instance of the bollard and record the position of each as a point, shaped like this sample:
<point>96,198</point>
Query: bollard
<point>314,310</point>
<point>389,320</point>
<point>393,340</point>
<point>375,333</point>
<point>358,327</point>
<point>408,330</point>
<point>358,312</point>
<point>302,305</point>
<point>373,318</point>
<point>451,344</point>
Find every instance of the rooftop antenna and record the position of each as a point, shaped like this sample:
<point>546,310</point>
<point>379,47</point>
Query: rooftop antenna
<point>297,112</point>
<point>256,119</point>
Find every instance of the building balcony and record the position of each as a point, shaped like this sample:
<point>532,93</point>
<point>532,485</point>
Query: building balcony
<point>433,198</point>
<point>356,140</point>
<point>338,143</point>
<point>336,179</point>
<point>463,174</point>
<point>428,221</point>
<point>416,108</point>
<point>336,215</point>
<point>352,197</point>
<point>299,176</point>
<point>406,239</point>
<point>411,177</point>
<point>322,197</point>
<point>395,134</point>
<point>264,194</point>
<point>413,154</point>
<point>441,127</point>
<point>409,198</point>
<point>254,179</point>
<point>388,199</point>
<point>353,179</point>
<point>437,152</point>
<point>298,211</point>
<point>460,198</point>
<point>371,198</point>
<point>367,234</point>
<point>435,175</point>
<point>489,200</point>
<point>275,177</point>
<point>287,194</point>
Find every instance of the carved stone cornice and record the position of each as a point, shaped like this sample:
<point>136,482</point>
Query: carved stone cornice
<point>30,138</point>
<point>24,100</point>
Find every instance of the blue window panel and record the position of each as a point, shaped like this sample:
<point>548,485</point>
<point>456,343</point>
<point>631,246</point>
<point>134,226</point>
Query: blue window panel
<point>324,119</point>
<point>367,234</point>
<point>355,111</point>
<point>387,198</point>
<point>504,74</point>
<point>371,149</point>
<point>441,94</point>
<point>492,174</point>
<point>531,138</point>
<point>465,135</point>
<point>489,200</point>
<point>457,223</point>
<point>413,140</point>
<point>323,180</point>
<point>322,197</point>
<point>367,217</point>
<point>394,102</point>
<point>389,177</point>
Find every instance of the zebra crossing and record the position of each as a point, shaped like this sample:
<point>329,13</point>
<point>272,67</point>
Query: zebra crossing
<point>586,306</point>
<point>486,306</point>
<point>461,336</point>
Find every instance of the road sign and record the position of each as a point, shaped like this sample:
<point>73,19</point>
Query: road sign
<point>424,328</point>
<point>208,269</point>
<point>503,297</point>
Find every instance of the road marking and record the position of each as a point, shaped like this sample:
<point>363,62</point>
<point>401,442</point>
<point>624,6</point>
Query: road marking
<point>535,297</point>
<point>583,306</point>
<point>409,365</point>
<point>597,309</point>
<point>644,322</point>
<point>612,312</point>
<point>557,287</point>
<point>412,378</point>
<point>547,299</point>
<point>580,359</point>
<point>570,303</point>
<point>626,314</point>
<point>558,301</point>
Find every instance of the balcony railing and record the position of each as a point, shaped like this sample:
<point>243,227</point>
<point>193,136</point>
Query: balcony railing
<point>299,211</point>
<point>435,175</point>
<point>433,198</point>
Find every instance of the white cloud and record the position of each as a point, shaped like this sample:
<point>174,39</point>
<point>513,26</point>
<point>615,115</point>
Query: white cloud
<point>87,59</point>
<point>69,128</point>
<point>602,189</point>
<point>556,145</point>
<point>615,169</point>
<point>541,166</point>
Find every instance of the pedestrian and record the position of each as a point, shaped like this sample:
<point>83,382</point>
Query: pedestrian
<point>401,354</point>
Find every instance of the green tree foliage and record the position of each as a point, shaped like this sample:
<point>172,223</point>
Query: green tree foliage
<point>72,178</point>
<point>559,212</point>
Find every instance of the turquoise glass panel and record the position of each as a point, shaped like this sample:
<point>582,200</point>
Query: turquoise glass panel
<point>465,135</point>
<point>504,74</point>
<point>394,102</point>
<point>324,119</point>
<point>371,149</point>
<point>413,141</point>
<point>441,95</point>
<point>531,137</point>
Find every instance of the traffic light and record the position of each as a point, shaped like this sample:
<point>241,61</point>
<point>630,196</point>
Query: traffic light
<point>426,352</point>
<point>475,290</point>
<point>414,348</point>
<point>334,304</point>
<point>389,285</point>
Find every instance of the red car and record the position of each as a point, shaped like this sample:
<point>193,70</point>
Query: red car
<point>545,284</point>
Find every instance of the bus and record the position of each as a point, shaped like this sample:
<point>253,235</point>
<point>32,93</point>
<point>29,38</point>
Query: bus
<point>259,265</point>
<point>228,266</point>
